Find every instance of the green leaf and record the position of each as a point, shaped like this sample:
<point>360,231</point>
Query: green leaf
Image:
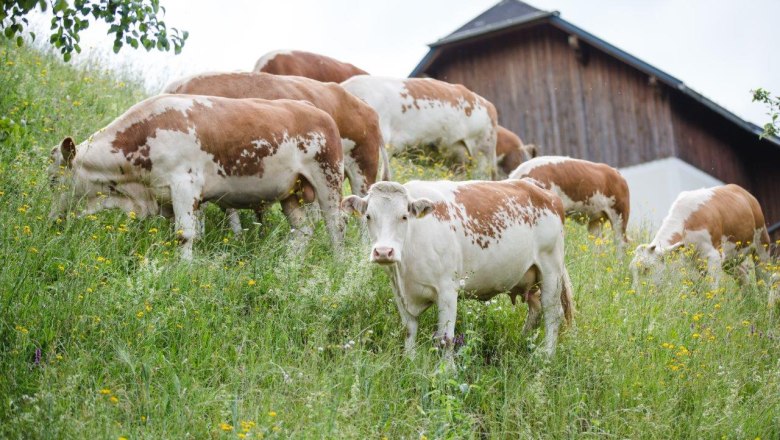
<point>9,32</point>
<point>19,41</point>
<point>66,56</point>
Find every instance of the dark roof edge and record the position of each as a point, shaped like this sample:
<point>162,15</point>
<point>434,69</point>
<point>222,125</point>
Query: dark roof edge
<point>555,20</point>
<point>460,36</point>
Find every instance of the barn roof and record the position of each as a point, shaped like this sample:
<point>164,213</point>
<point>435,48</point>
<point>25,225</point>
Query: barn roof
<point>509,15</point>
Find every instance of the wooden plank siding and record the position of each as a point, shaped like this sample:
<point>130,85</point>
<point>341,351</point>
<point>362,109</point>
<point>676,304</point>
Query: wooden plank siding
<point>606,110</point>
<point>603,110</point>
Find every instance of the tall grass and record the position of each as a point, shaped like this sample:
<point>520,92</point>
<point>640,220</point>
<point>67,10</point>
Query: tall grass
<point>104,333</point>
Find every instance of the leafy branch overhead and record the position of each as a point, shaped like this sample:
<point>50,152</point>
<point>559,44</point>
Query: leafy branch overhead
<point>132,22</point>
<point>771,128</point>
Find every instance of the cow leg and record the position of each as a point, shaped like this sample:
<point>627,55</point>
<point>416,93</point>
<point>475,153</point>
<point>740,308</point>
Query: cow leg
<point>407,319</point>
<point>185,199</point>
<point>761,258</point>
<point>447,303</point>
<point>616,221</point>
<point>357,180</point>
<point>533,299</point>
<point>296,216</point>
<point>714,267</point>
<point>328,196</point>
<point>595,226</point>
<point>235,221</point>
<point>552,308</point>
<point>774,291</point>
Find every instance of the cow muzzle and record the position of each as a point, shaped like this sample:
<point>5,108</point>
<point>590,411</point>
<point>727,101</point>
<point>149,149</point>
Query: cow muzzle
<point>383,255</point>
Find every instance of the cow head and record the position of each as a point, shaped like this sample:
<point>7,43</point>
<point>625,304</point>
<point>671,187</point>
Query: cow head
<point>71,182</point>
<point>60,172</point>
<point>649,260</point>
<point>387,210</point>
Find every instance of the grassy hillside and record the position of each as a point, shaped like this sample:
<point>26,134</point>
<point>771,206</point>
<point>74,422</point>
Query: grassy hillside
<point>105,334</point>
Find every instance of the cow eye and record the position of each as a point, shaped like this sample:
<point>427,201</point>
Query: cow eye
<point>405,217</point>
<point>368,217</point>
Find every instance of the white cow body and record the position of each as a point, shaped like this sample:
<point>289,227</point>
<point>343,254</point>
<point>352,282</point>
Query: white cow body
<point>183,150</point>
<point>461,243</point>
<point>722,224</point>
<point>423,111</point>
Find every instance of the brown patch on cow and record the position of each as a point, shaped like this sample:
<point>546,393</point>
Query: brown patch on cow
<point>509,148</point>
<point>486,209</point>
<point>133,142</point>
<point>355,119</point>
<point>441,211</point>
<point>309,65</point>
<point>456,95</point>
<point>732,214</point>
<point>580,180</point>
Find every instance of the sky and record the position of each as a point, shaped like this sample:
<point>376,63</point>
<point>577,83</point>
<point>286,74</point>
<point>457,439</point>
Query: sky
<point>720,48</point>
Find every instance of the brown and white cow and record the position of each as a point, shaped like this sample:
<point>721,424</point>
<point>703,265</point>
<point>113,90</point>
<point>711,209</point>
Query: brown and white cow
<point>511,151</point>
<point>593,190</point>
<point>437,238</point>
<point>183,150</point>
<point>723,224</point>
<point>310,65</point>
<point>424,111</point>
<point>358,123</point>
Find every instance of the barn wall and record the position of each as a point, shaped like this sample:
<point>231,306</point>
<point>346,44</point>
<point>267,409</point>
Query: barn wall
<point>603,110</point>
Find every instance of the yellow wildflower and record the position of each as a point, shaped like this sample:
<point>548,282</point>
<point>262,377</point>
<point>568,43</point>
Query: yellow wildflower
<point>272,413</point>
<point>225,427</point>
<point>113,399</point>
<point>251,282</point>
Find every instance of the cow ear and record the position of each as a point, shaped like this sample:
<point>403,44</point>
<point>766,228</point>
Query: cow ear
<point>68,150</point>
<point>532,150</point>
<point>675,246</point>
<point>354,205</point>
<point>420,207</point>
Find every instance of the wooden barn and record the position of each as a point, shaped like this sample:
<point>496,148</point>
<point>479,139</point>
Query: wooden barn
<point>574,94</point>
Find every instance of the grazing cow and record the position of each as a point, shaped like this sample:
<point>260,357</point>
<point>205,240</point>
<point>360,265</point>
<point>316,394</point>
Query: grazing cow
<point>310,65</point>
<point>593,190</point>
<point>358,123</point>
<point>723,224</point>
<point>183,150</point>
<point>424,111</point>
<point>436,238</point>
<point>511,152</point>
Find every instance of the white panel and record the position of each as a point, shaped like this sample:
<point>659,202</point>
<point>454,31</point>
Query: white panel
<point>655,185</point>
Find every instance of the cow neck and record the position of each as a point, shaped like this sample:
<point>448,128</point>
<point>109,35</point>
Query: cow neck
<point>394,273</point>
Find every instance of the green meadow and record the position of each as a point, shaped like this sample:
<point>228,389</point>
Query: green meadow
<point>105,333</point>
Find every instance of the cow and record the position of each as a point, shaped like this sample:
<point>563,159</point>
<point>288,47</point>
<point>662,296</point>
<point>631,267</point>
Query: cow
<point>511,151</point>
<point>358,123</point>
<point>436,238</point>
<point>311,65</point>
<point>589,190</point>
<point>722,225</point>
<point>424,111</point>
<point>184,150</point>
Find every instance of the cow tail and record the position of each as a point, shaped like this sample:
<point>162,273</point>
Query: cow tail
<point>386,174</point>
<point>567,300</point>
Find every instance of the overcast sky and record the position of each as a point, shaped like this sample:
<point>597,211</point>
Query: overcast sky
<point>720,48</point>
